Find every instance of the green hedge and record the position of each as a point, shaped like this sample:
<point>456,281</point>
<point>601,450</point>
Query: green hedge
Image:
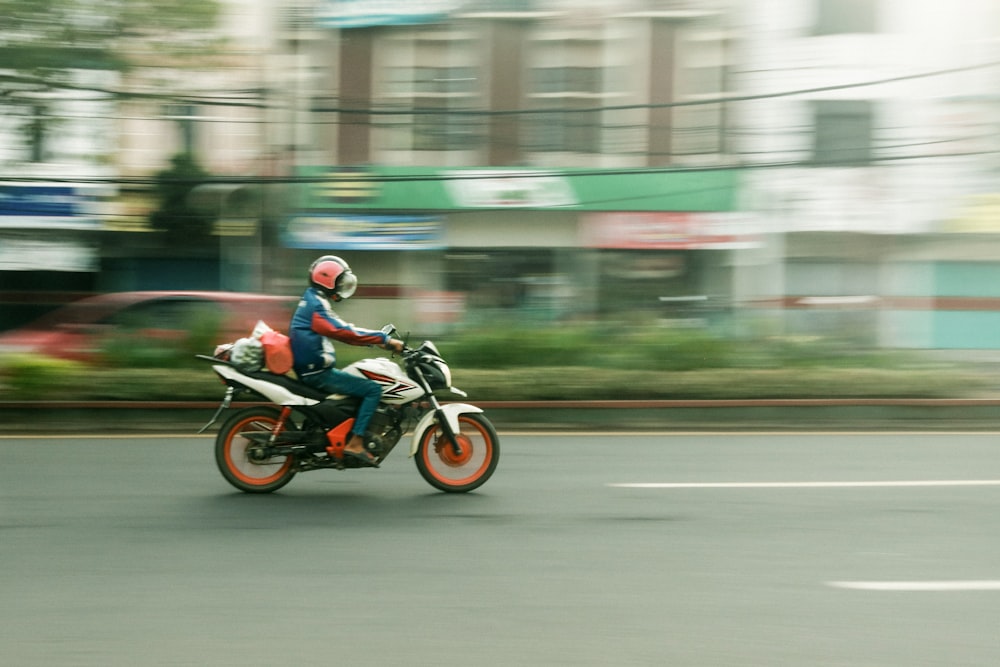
<point>538,383</point>
<point>576,362</point>
<point>653,348</point>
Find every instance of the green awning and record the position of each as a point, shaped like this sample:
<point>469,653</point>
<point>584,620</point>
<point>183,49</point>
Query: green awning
<point>484,188</point>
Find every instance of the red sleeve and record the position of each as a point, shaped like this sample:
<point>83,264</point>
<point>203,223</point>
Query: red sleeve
<point>329,325</point>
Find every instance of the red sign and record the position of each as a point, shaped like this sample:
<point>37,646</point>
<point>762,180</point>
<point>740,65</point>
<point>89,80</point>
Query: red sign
<point>667,230</point>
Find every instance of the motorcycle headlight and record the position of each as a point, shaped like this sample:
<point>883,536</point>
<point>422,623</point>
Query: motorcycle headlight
<point>445,373</point>
<point>432,366</point>
<point>437,373</point>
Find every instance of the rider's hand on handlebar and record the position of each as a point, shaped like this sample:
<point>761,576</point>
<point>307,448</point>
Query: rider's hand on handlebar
<point>395,345</point>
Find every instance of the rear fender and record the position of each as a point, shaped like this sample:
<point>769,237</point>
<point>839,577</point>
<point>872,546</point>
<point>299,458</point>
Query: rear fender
<point>451,412</point>
<point>273,392</point>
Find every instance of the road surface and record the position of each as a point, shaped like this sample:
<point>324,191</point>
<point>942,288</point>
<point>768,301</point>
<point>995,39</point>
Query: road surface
<point>652,549</point>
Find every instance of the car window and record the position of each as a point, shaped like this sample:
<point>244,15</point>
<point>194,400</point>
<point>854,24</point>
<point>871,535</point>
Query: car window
<point>170,314</point>
<point>79,313</point>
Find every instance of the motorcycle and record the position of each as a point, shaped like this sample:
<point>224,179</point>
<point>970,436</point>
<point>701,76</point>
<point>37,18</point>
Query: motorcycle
<point>259,449</point>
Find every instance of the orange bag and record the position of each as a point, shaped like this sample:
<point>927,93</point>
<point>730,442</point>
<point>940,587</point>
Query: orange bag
<point>277,352</point>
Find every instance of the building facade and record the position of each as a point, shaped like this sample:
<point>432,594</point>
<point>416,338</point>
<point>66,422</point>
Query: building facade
<point>804,166</point>
<point>567,157</point>
<point>870,130</point>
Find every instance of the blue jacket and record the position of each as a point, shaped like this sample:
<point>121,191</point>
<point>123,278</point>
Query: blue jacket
<point>313,326</point>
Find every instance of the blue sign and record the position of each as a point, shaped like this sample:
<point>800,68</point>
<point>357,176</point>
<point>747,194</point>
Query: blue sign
<point>46,207</point>
<point>363,232</point>
<point>38,200</point>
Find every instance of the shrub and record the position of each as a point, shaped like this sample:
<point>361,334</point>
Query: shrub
<point>667,350</point>
<point>519,347</point>
<point>624,347</point>
<point>34,377</point>
<point>197,334</point>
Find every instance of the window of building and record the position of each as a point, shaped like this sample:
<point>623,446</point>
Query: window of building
<point>185,116</point>
<point>499,281</point>
<point>562,95</point>
<point>843,133</point>
<point>700,76</point>
<point>444,89</point>
<point>422,72</point>
<point>441,81</point>
<point>659,283</point>
<point>38,131</point>
<point>835,17</point>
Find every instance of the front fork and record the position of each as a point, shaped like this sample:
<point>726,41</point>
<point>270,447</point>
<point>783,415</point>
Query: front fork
<point>447,417</point>
<point>446,427</point>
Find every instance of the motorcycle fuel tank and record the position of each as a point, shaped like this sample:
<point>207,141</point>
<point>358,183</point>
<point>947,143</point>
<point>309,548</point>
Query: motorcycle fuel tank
<point>397,388</point>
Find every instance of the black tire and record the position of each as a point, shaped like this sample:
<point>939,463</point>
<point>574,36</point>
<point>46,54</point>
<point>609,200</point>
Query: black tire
<point>445,470</point>
<point>231,453</point>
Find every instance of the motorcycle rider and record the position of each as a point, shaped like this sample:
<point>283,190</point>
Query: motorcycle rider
<point>313,328</point>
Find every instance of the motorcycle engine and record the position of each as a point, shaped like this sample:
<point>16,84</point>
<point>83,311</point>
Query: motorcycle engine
<point>383,431</point>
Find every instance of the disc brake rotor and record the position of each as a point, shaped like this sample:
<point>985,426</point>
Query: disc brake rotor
<point>446,452</point>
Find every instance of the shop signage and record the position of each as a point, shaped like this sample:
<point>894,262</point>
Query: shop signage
<point>665,231</point>
<point>363,232</point>
<point>43,207</point>
<point>368,13</point>
<point>509,189</point>
<point>430,189</point>
<point>29,255</point>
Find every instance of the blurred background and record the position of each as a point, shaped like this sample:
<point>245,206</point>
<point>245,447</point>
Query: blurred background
<point>800,168</point>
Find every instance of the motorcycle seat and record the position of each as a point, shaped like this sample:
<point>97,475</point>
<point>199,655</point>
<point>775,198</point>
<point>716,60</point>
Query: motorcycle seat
<point>288,383</point>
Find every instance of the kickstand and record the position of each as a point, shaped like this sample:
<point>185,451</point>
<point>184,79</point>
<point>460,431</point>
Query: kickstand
<point>225,404</point>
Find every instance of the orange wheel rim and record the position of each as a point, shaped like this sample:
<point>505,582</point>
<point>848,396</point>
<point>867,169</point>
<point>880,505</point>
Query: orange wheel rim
<point>239,466</point>
<point>439,455</point>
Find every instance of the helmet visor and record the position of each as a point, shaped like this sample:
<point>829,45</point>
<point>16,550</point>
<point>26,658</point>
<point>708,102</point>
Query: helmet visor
<point>347,284</point>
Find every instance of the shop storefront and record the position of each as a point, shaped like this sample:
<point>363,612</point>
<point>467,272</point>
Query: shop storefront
<point>48,244</point>
<point>465,246</point>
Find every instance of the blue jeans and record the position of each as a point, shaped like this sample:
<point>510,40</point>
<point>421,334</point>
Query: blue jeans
<point>335,381</point>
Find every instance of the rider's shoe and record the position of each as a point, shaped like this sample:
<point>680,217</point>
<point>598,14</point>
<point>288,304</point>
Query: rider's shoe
<point>363,457</point>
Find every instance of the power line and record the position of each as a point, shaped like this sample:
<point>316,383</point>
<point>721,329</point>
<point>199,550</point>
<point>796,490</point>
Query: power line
<point>470,174</point>
<point>416,110</point>
<point>666,105</point>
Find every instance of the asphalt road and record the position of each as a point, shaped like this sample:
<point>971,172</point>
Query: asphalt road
<point>669,549</point>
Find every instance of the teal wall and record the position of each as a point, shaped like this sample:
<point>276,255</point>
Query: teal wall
<point>924,327</point>
<point>973,279</point>
<point>967,329</point>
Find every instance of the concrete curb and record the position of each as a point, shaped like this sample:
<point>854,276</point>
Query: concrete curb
<point>23,417</point>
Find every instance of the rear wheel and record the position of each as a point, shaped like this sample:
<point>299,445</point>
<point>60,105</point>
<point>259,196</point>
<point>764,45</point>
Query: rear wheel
<point>468,468</point>
<point>239,463</point>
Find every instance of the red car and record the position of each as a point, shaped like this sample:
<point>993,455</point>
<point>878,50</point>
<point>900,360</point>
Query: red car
<point>89,328</point>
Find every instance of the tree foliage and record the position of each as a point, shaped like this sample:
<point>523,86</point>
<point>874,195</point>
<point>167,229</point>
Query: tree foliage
<point>78,48</point>
<point>183,223</point>
<point>43,41</point>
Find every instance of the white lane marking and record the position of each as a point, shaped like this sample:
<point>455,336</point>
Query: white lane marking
<point>918,586</point>
<point>805,485</point>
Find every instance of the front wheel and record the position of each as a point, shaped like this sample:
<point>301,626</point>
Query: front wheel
<point>454,471</point>
<point>239,464</point>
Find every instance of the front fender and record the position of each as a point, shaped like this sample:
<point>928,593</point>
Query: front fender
<point>451,412</point>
